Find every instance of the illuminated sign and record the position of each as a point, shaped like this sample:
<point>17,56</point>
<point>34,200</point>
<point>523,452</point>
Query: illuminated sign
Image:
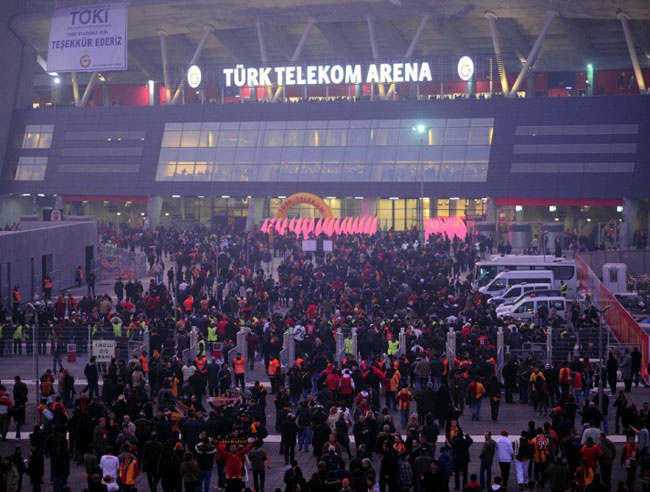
<point>465,68</point>
<point>375,73</point>
<point>194,76</point>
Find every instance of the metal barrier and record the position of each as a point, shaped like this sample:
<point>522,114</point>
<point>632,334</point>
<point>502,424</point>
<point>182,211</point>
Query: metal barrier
<point>118,262</point>
<point>288,352</point>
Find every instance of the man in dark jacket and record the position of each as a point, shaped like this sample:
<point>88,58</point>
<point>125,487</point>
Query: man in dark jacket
<point>92,376</point>
<point>460,445</point>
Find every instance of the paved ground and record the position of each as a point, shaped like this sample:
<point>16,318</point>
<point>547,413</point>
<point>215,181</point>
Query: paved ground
<point>513,417</point>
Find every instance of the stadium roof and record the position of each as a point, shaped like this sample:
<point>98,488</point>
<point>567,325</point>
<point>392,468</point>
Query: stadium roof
<point>586,31</point>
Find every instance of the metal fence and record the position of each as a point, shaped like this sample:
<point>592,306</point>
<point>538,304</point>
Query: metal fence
<point>119,262</point>
<point>637,260</point>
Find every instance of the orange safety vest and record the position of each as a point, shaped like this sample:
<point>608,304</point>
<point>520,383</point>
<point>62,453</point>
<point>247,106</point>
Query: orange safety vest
<point>240,365</point>
<point>299,361</point>
<point>143,362</point>
<point>273,367</point>
<point>201,362</point>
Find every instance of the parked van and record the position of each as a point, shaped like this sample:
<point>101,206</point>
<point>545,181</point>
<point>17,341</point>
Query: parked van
<point>517,291</point>
<point>538,293</point>
<point>507,279</point>
<point>527,307</point>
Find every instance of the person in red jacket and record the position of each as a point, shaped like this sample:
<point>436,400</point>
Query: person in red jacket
<point>5,414</point>
<point>591,453</point>
<point>333,383</point>
<point>234,460</point>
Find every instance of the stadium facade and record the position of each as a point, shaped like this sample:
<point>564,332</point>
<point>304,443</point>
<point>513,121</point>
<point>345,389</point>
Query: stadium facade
<point>549,126</point>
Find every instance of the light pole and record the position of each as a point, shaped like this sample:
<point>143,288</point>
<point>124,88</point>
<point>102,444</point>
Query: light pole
<point>602,356</point>
<point>421,130</point>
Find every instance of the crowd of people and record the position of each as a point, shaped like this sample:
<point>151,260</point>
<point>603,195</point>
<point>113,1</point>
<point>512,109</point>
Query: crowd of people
<point>378,416</point>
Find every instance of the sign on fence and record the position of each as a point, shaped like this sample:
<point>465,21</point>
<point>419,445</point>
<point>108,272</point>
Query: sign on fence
<point>88,38</point>
<point>104,350</point>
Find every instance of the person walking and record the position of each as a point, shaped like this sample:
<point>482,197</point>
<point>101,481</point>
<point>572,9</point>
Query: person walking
<point>626,370</point>
<point>260,461</point>
<point>475,392</point>
<point>487,458</point>
<point>460,445</point>
<point>36,467</point>
<point>606,460</point>
<point>522,456</point>
<point>505,454</point>
<point>189,471</point>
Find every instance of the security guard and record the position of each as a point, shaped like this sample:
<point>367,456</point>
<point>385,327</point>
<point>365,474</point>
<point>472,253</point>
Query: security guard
<point>200,348</point>
<point>18,340</point>
<point>239,367</point>
<point>564,288</point>
<point>348,346</point>
<point>117,327</point>
<point>393,347</point>
<point>274,364</point>
<point>212,335</point>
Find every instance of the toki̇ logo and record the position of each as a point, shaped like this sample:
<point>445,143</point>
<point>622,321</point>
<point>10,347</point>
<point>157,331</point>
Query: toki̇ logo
<point>89,16</point>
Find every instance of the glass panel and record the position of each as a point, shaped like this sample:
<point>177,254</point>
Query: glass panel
<point>382,173</point>
<point>386,136</point>
<point>338,123</point>
<point>384,155</point>
<point>294,138</point>
<point>437,136</point>
<point>475,172</point>
<point>168,156</point>
<point>432,154</point>
<point>479,135</point>
<point>451,172</point>
<point>50,129</point>
<point>453,153</point>
<point>184,171</point>
<point>242,173</point>
<point>209,138</point>
<point>228,138</point>
<point>288,172</point>
<point>309,172</point>
<point>30,140</point>
<point>292,155</point>
<point>173,126</point>
<point>191,126</point>
<point>333,155</point>
<point>45,141</point>
<point>330,172</point>
<point>456,136</point>
<point>225,156</point>
<point>336,137</point>
<point>315,138</point>
<point>458,122</point>
<point>171,139</point>
<point>249,125</point>
<point>202,155</point>
<point>353,172</point>
<point>296,124</point>
<point>431,172</point>
<point>190,138</point>
<point>477,153</point>
<point>187,155</point>
<point>165,172</point>
<point>407,155</point>
<point>248,138</point>
<point>280,125</point>
<point>406,173</point>
<point>245,156</point>
<point>312,155</point>
<point>221,172</point>
<point>355,155</point>
<point>273,138</point>
<point>268,173</point>
<point>202,171</point>
<point>210,125</point>
<point>409,137</point>
<point>38,172</point>
<point>481,122</point>
<point>390,123</point>
<point>317,124</point>
<point>23,172</point>
<point>359,123</point>
<point>358,136</point>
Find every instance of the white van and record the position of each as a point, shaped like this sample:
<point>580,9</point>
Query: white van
<point>517,291</point>
<point>527,307</point>
<point>504,280</point>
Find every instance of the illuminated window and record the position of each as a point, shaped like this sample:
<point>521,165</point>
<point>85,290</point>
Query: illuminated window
<point>38,137</point>
<point>31,169</point>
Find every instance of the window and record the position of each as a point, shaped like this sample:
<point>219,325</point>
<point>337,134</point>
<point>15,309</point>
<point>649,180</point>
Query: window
<point>526,307</point>
<point>563,272</point>
<point>38,137</point>
<point>31,169</point>
<point>497,285</point>
<point>558,305</point>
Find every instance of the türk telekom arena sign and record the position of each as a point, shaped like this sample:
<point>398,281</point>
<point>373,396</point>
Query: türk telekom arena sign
<point>375,73</point>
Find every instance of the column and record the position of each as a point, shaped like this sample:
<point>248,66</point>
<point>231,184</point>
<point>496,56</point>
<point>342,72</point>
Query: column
<point>106,95</point>
<point>154,210</point>
<point>255,212</point>
<point>629,224</point>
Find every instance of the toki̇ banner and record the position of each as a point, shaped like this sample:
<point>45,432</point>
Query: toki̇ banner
<point>88,38</point>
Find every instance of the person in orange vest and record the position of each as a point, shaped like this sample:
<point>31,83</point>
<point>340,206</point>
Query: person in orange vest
<point>78,276</point>
<point>564,378</point>
<point>129,469</point>
<point>201,363</point>
<point>239,368</point>
<point>404,398</point>
<point>274,365</point>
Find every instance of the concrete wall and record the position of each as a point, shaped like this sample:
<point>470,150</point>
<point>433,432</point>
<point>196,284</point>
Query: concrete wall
<point>66,242</point>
